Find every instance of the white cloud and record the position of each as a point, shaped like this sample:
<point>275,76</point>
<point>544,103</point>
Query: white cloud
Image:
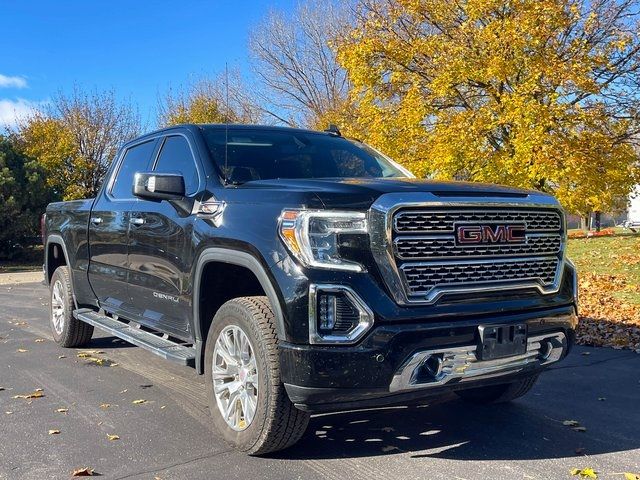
<point>13,110</point>
<point>12,82</point>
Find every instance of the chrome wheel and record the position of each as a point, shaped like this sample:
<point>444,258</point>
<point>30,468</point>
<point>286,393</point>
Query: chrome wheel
<point>57,307</point>
<point>235,378</point>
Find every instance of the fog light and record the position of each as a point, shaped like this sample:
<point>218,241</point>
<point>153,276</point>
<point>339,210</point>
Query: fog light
<point>337,315</point>
<point>327,313</point>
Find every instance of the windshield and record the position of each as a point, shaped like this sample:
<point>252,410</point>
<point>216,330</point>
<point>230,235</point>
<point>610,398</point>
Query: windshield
<point>262,154</point>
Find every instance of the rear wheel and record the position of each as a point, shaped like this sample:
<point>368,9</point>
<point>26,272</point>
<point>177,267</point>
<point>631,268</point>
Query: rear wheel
<point>67,330</point>
<point>498,393</point>
<point>247,399</point>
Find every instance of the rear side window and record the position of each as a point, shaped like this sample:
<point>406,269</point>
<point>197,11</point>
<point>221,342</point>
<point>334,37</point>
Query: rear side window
<point>136,159</point>
<point>175,157</point>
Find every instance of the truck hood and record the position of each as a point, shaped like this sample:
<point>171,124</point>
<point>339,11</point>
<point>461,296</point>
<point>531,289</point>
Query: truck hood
<point>360,193</point>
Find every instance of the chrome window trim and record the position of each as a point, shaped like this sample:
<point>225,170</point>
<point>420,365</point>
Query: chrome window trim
<point>365,313</point>
<point>380,218</point>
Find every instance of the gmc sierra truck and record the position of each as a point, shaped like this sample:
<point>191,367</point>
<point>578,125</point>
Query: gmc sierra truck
<point>303,272</point>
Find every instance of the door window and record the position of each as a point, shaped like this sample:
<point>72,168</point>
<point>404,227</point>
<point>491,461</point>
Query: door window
<point>136,159</point>
<point>176,157</point>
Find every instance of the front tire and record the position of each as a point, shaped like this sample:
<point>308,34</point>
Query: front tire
<point>247,399</point>
<point>67,330</point>
<point>498,393</point>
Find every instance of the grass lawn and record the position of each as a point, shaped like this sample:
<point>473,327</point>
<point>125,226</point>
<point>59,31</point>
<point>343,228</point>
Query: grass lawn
<point>617,256</point>
<point>31,260</point>
<point>609,281</point>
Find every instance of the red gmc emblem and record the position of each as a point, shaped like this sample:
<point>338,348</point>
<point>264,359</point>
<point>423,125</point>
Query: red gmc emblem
<point>469,234</point>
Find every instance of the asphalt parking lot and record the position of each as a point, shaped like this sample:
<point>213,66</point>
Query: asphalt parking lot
<point>169,436</point>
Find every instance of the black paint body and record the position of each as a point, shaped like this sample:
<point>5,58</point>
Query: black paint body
<point>117,265</point>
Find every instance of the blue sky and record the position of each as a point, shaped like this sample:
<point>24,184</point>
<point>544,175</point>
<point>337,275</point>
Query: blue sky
<point>138,49</point>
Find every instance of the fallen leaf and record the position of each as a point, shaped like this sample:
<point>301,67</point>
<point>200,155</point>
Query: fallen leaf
<point>113,437</point>
<point>585,353</point>
<point>585,472</point>
<point>571,423</point>
<point>8,413</point>
<point>139,402</point>
<point>36,394</point>
<point>579,429</point>
<point>83,472</point>
<point>20,323</point>
<point>631,476</point>
<point>22,350</point>
<point>62,410</point>
<point>39,390</point>
<point>104,406</point>
<point>124,391</point>
<point>54,432</point>
<point>113,365</point>
<point>39,340</point>
<point>62,356</point>
<point>146,386</point>
<point>163,407</point>
<point>601,399</point>
<point>83,355</point>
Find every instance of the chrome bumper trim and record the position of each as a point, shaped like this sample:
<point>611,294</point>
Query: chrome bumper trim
<point>461,364</point>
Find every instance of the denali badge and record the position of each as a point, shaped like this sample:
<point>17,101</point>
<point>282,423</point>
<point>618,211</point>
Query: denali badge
<point>468,234</point>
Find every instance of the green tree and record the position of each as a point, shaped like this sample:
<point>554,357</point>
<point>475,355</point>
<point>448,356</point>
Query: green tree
<point>23,198</point>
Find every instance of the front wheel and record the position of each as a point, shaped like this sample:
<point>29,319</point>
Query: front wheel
<point>498,393</point>
<point>247,399</point>
<point>67,330</point>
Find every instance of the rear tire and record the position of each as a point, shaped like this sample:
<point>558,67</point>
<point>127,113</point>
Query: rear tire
<point>67,330</point>
<point>498,393</point>
<point>275,423</point>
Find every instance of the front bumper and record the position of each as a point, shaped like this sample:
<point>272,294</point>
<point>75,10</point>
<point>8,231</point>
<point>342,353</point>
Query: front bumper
<point>381,369</point>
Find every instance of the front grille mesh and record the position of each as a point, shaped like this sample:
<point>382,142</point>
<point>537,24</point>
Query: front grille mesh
<point>420,221</point>
<point>422,248</point>
<point>422,278</point>
<point>430,261</point>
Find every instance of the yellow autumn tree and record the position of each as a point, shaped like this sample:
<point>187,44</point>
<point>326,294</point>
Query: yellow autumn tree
<point>533,93</point>
<point>75,138</point>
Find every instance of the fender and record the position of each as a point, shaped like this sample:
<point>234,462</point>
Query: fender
<point>54,239</point>
<point>242,259</point>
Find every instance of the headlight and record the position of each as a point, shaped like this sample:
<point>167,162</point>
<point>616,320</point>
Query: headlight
<point>312,236</point>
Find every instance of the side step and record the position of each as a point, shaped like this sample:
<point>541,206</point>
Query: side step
<point>160,346</point>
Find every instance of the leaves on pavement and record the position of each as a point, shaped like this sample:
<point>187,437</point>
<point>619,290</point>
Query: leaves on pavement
<point>139,402</point>
<point>54,431</point>
<point>113,437</point>
<point>83,472</point>
<point>22,350</point>
<point>62,410</point>
<point>631,476</point>
<point>37,394</point>
<point>585,472</point>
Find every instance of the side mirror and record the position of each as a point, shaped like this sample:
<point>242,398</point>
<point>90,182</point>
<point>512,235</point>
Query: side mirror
<point>158,186</point>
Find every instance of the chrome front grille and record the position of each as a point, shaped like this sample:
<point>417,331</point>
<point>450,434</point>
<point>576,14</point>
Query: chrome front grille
<point>424,221</point>
<point>418,243</point>
<point>422,278</point>
<point>428,247</point>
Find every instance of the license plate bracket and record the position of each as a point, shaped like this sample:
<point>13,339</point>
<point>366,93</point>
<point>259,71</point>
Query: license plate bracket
<point>500,341</point>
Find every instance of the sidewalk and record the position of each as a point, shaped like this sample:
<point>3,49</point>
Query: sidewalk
<point>21,277</point>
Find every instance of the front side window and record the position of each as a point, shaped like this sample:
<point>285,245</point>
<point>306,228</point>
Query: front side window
<point>175,157</point>
<point>136,159</point>
<point>245,154</point>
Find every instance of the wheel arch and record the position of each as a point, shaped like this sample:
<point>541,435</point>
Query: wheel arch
<point>52,260</point>
<point>240,259</point>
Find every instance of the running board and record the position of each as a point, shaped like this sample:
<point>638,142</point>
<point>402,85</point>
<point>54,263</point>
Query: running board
<point>155,344</point>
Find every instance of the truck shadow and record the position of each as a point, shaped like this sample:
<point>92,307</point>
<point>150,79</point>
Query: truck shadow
<point>529,428</point>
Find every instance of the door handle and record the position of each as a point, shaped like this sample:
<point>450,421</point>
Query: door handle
<point>136,221</point>
<point>96,220</point>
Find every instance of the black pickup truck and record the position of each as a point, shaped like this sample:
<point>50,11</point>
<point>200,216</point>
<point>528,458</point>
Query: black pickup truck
<point>303,272</point>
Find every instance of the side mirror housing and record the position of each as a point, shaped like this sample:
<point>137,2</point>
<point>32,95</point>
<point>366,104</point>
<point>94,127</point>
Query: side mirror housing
<point>158,186</point>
